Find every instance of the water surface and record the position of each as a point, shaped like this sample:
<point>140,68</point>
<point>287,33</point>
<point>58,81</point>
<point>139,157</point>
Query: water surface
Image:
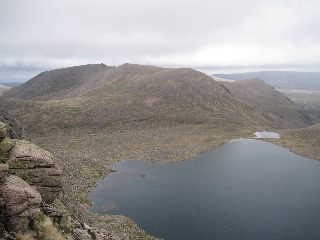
<point>244,189</point>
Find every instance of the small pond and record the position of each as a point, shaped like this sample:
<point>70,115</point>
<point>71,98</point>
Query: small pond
<point>267,135</point>
<point>244,189</point>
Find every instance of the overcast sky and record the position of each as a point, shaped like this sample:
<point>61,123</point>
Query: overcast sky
<point>214,36</point>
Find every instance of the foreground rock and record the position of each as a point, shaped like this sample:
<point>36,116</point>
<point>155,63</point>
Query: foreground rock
<point>13,128</point>
<point>19,204</point>
<point>31,163</point>
<point>37,167</point>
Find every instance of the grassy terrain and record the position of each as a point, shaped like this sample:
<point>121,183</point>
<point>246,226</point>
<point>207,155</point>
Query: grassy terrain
<point>85,155</point>
<point>304,141</point>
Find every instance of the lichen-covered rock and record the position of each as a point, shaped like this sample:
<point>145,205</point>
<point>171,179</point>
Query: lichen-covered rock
<point>3,170</point>
<point>19,203</point>
<point>3,130</point>
<point>37,167</point>
<point>5,146</point>
<point>25,154</point>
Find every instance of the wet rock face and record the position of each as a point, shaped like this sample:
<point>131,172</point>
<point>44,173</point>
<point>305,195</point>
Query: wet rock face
<point>19,203</point>
<point>37,167</point>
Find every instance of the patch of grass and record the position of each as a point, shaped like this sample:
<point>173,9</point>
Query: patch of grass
<point>46,230</point>
<point>25,236</point>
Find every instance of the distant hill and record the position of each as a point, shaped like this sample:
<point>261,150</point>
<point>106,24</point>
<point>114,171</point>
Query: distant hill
<point>4,89</point>
<point>61,83</point>
<point>137,94</point>
<point>281,79</point>
<point>307,100</point>
<point>268,103</point>
<point>10,84</point>
<point>129,94</point>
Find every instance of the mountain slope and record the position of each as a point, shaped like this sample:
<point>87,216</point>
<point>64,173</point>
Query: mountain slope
<point>61,83</point>
<point>3,89</point>
<point>281,79</point>
<point>127,95</point>
<point>137,95</point>
<point>268,103</point>
<point>307,100</point>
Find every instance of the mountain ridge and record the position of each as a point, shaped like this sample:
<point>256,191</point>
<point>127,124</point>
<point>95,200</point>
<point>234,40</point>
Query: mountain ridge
<point>285,80</point>
<point>133,93</point>
<point>62,83</point>
<point>268,103</point>
<point>139,93</point>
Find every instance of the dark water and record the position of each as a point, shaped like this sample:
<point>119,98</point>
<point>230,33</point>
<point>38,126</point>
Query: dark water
<point>245,189</point>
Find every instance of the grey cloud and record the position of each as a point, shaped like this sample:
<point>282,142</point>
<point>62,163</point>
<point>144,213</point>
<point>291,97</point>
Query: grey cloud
<point>59,33</point>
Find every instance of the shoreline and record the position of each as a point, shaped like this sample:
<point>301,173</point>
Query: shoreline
<point>173,143</point>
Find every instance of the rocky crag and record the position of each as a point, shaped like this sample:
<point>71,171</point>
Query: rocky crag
<point>29,178</point>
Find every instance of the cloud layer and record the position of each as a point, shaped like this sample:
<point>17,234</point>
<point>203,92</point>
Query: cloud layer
<point>201,34</point>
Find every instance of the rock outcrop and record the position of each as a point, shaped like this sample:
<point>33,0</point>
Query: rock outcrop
<point>37,167</point>
<point>29,178</point>
<point>13,128</point>
<point>3,170</point>
<point>31,163</point>
<point>19,204</point>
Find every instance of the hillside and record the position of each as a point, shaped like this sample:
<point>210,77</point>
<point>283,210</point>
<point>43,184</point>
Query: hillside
<point>281,79</point>
<point>3,89</point>
<point>268,103</point>
<point>61,83</point>
<point>129,94</point>
<point>307,100</point>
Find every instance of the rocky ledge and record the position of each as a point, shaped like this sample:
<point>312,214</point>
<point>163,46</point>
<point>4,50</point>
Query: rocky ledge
<point>31,163</point>
<point>29,178</point>
<point>20,203</point>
